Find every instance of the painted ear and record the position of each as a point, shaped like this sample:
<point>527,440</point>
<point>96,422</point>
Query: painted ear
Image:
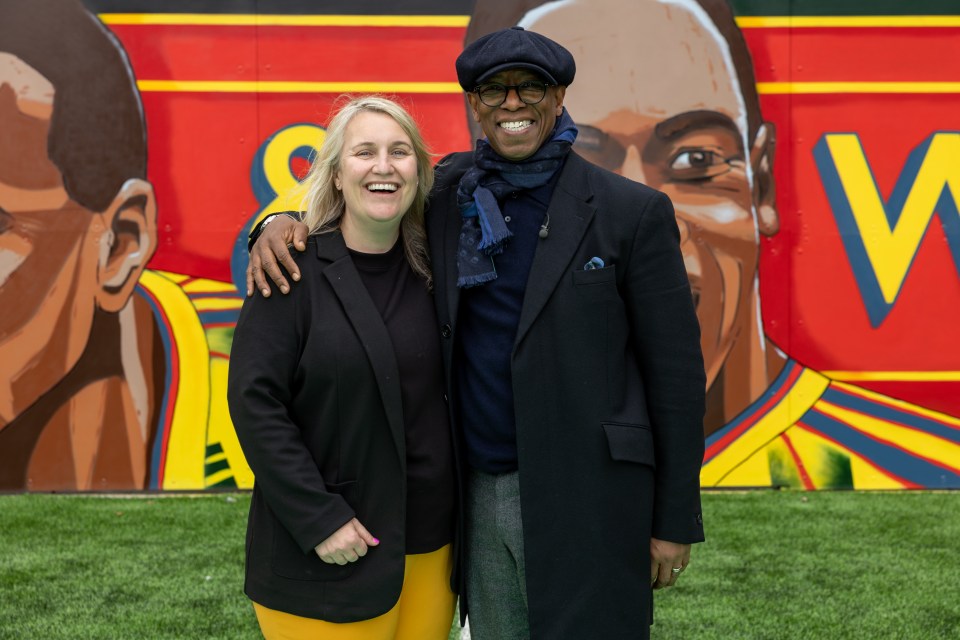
<point>764,185</point>
<point>127,245</point>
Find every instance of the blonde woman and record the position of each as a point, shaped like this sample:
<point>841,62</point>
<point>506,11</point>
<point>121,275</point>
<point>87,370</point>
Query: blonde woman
<point>336,392</point>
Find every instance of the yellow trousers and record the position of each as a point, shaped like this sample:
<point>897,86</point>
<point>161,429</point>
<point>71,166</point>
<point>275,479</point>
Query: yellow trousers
<point>423,612</point>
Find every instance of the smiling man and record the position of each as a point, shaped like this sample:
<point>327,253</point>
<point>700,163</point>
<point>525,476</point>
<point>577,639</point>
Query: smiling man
<point>574,362</point>
<point>517,136</point>
<point>572,356</point>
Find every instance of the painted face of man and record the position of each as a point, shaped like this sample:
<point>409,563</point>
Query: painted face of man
<point>59,261</point>
<point>516,129</point>
<point>44,240</point>
<point>658,101</point>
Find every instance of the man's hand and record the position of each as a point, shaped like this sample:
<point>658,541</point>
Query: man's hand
<point>270,251</point>
<point>347,544</point>
<point>665,557</point>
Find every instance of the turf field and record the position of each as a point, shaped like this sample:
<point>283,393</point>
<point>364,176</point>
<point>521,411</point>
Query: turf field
<point>777,565</point>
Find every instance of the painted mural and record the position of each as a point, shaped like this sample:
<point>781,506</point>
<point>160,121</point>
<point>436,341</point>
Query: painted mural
<point>813,159</point>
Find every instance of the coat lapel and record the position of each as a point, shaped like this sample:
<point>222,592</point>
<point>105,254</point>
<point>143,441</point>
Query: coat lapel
<point>570,214</point>
<point>368,324</point>
<point>451,245</point>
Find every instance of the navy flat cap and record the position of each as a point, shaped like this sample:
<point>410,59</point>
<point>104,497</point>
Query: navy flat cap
<point>514,48</point>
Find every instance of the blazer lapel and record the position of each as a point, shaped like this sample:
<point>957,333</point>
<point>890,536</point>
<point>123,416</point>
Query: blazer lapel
<point>368,324</point>
<point>570,214</point>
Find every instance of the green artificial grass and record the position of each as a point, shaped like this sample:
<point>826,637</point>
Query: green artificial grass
<point>792,565</point>
<point>94,567</point>
<point>777,565</point>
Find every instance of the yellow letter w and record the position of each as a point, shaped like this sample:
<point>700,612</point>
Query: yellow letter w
<point>882,238</point>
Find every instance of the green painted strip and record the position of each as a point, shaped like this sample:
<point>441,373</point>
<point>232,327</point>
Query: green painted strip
<point>226,483</point>
<point>845,7</point>
<point>212,467</point>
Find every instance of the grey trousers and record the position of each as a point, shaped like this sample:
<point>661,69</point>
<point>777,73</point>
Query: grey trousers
<point>496,586</point>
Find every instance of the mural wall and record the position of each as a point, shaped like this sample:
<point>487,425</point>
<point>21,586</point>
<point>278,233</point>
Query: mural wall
<point>812,153</point>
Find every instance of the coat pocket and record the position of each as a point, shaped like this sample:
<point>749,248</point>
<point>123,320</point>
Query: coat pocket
<point>586,277</point>
<point>349,491</point>
<point>630,443</point>
<point>596,285</point>
<point>288,560</point>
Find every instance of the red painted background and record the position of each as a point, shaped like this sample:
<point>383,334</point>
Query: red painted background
<point>202,145</point>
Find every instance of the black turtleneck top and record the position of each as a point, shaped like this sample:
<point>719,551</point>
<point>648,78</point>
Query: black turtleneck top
<point>407,310</point>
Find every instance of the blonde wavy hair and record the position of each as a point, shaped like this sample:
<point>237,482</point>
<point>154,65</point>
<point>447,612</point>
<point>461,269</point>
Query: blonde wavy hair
<point>324,203</point>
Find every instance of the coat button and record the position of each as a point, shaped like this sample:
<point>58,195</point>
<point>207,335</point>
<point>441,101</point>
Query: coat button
<point>446,331</point>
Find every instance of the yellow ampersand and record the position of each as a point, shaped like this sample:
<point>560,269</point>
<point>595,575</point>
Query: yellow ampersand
<point>277,152</point>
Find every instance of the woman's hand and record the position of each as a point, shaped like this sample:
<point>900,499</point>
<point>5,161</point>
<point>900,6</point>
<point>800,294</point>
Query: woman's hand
<point>347,544</point>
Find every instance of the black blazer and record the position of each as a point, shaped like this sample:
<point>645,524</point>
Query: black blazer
<point>314,395</point>
<point>608,385</point>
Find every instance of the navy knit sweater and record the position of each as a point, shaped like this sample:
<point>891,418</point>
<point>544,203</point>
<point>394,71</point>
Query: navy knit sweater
<point>487,328</point>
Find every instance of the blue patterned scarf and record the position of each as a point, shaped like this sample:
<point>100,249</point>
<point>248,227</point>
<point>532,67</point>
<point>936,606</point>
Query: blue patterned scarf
<point>488,182</point>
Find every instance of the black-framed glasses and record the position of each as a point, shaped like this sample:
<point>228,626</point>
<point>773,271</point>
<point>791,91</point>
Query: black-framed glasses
<point>494,94</point>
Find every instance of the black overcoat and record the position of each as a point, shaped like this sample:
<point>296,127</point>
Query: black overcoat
<point>608,386</point>
<point>315,398</point>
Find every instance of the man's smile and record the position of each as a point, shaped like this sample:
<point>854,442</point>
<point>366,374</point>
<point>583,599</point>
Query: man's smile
<point>516,126</point>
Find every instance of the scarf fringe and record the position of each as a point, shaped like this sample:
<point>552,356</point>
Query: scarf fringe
<point>465,282</point>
